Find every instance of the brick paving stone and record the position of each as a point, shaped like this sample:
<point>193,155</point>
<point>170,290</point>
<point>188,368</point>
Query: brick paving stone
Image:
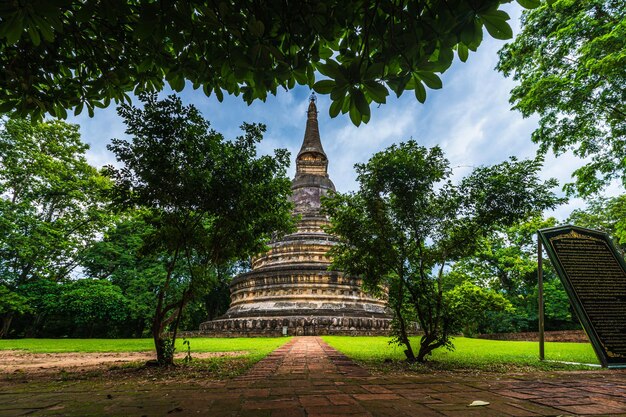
<point>269,403</point>
<point>518,394</point>
<point>376,397</point>
<point>341,399</point>
<point>256,392</point>
<point>317,414</point>
<point>376,389</point>
<point>313,400</point>
<point>558,401</point>
<point>336,410</point>
<point>535,409</point>
<point>288,412</point>
<point>592,409</point>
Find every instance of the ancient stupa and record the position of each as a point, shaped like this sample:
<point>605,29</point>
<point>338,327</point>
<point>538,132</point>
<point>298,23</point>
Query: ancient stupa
<point>290,289</point>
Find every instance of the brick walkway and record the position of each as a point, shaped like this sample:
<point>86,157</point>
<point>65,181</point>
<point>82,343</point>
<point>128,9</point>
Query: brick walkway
<point>306,377</point>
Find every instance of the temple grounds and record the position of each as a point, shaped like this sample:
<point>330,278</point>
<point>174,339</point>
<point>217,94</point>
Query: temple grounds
<point>307,376</point>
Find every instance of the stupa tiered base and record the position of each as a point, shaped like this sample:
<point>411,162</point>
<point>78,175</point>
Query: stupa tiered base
<point>296,326</point>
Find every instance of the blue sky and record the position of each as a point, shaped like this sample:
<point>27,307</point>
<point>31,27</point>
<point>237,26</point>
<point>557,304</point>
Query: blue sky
<point>470,118</point>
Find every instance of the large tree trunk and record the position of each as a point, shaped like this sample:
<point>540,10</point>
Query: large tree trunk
<point>162,342</point>
<point>400,322</point>
<point>6,324</point>
<point>404,337</point>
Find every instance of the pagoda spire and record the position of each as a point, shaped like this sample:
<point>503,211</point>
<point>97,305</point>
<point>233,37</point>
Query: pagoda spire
<point>311,180</point>
<point>312,143</point>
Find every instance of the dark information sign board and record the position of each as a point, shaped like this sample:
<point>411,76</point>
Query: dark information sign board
<point>594,276</point>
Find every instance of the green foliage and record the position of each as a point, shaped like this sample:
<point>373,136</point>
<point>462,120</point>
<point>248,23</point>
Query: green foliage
<point>605,214</point>
<point>468,303</point>
<point>92,302</point>
<point>72,55</point>
<point>475,354</point>
<point>74,308</point>
<point>506,262</point>
<point>557,306</point>
<point>569,62</point>
<point>119,258</point>
<point>208,201</point>
<point>12,302</point>
<point>52,203</point>
<point>408,222</point>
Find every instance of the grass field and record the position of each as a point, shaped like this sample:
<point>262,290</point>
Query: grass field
<point>494,355</point>
<point>255,346</point>
<point>490,355</point>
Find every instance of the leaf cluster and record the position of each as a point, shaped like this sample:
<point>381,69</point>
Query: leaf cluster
<point>199,190</point>
<point>605,214</point>
<point>52,202</point>
<point>569,61</point>
<point>72,55</point>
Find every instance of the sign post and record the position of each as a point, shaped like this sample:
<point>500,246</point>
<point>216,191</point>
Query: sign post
<point>594,276</point>
<point>540,290</point>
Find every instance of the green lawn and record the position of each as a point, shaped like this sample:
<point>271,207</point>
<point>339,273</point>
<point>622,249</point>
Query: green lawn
<point>257,347</point>
<point>469,353</point>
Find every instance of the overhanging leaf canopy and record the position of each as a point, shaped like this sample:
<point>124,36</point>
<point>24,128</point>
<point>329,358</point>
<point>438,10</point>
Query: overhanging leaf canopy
<point>71,54</point>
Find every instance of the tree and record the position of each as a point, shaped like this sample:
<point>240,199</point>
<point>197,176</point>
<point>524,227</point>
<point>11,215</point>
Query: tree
<point>74,54</point>
<point>93,304</point>
<point>119,257</point>
<point>469,303</point>
<point>408,222</point>
<point>208,201</point>
<point>51,204</point>
<point>605,214</point>
<point>569,61</point>
<point>11,303</point>
<point>506,262</point>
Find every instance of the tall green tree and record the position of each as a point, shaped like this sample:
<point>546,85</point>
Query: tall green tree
<point>569,61</point>
<point>408,222</point>
<point>52,204</point>
<point>75,54</point>
<point>121,258</point>
<point>208,201</point>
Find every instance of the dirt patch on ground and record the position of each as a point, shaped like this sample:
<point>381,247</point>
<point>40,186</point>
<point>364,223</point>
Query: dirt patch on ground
<point>16,360</point>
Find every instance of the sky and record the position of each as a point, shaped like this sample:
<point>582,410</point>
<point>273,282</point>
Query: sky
<point>470,118</point>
